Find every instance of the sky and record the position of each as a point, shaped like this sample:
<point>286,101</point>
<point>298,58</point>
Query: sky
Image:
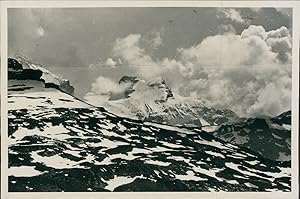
<point>237,58</point>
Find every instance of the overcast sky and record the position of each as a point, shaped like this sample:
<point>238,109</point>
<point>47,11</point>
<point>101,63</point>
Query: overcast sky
<point>230,58</point>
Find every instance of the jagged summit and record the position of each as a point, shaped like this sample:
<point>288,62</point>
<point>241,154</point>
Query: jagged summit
<point>143,87</point>
<point>152,100</point>
<point>129,79</point>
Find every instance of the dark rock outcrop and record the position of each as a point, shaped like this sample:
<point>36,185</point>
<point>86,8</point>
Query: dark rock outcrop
<point>17,71</point>
<point>270,137</point>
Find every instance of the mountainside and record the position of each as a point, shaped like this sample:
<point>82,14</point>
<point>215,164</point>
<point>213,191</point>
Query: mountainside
<point>59,143</point>
<point>154,101</point>
<point>23,64</point>
<point>270,137</point>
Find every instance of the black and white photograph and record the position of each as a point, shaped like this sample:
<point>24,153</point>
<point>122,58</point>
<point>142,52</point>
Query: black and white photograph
<point>149,99</point>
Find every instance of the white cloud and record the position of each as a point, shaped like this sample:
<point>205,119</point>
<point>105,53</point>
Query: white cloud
<point>104,86</point>
<point>282,46</point>
<point>252,72</point>
<point>104,89</point>
<point>130,51</point>
<point>280,42</point>
<point>280,32</point>
<point>40,31</point>
<point>231,14</point>
<point>157,40</point>
<point>248,73</point>
<point>226,28</point>
<point>111,63</point>
<point>153,40</point>
<point>254,31</point>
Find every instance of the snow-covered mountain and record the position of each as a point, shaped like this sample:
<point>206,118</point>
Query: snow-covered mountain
<point>270,137</point>
<point>154,101</point>
<point>59,143</point>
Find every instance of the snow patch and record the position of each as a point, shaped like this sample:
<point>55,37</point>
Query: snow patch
<point>23,171</point>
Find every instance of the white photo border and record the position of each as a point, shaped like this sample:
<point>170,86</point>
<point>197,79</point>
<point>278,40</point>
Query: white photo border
<point>295,5</point>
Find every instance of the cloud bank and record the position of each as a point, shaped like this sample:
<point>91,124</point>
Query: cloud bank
<point>249,73</point>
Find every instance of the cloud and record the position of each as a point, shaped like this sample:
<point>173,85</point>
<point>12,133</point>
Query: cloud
<point>108,63</point>
<point>249,73</point>
<point>157,40</point>
<point>111,63</point>
<point>104,86</point>
<point>256,9</point>
<point>227,51</point>
<point>244,71</point>
<point>226,28</point>
<point>231,14</point>
<point>154,39</point>
<point>254,31</point>
<point>40,31</point>
<point>131,52</point>
<point>280,42</point>
<point>104,89</point>
<point>282,46</point>
<point>280,32</point>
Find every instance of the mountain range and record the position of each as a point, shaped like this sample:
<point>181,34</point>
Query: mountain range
<point>58,142</point>
<point>154,101</point>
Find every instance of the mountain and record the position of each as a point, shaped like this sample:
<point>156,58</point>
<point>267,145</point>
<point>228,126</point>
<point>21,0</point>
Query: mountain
<point>154,101</point>
<point>270,137</point>
<point>26,67</point>
<point>57,142</point>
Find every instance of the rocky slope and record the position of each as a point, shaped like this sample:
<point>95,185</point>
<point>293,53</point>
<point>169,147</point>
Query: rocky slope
<point>154,101</point>
<point>270,137</point>
<point>59,143</point>
<point>23,64</point>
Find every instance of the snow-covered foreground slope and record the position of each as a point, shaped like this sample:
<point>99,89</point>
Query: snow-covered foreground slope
<point>28,94</point>
<point>58,143</point>
<point>154,101</point>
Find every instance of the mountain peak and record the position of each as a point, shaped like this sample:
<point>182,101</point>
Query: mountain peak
<point>156,81</point>
<point>138,87</point>
<point>129,79</point>
<point>152,100</point>
<point>159,82</point>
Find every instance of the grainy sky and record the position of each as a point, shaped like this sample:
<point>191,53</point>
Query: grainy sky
<point>229,58</point>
